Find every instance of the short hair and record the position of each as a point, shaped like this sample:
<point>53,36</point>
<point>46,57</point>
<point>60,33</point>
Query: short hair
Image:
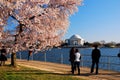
<point>95,46</point>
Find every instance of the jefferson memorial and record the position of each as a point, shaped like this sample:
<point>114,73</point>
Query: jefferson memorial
<point>75,40</point>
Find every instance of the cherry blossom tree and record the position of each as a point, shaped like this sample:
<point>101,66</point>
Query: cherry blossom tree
<point>41,23</point>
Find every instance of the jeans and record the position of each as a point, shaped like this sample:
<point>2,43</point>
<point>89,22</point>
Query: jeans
<point>77,65</point>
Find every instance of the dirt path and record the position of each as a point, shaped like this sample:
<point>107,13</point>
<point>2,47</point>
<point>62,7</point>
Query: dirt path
<point>65,69</point>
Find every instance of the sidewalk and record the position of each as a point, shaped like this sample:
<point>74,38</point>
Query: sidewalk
<point>65,69</point>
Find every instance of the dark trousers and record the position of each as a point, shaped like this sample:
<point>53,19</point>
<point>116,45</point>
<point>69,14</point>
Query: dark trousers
<point>92,67</point>
<point>72,66</point>
<point>29,55</point>
<point>77,65</point>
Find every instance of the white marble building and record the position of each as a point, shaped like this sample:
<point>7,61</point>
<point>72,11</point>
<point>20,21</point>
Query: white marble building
<point>75,40</point>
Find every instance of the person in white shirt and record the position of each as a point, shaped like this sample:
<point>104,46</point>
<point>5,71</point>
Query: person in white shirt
<point>77,60</point>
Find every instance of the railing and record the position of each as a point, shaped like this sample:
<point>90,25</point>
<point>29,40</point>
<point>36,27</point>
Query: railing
<point>106,62</point>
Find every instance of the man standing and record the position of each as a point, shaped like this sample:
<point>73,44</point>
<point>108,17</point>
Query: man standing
<point>95,58</point>
<point>3,57</point>
<point>72,58</point>
<point>30,51</point>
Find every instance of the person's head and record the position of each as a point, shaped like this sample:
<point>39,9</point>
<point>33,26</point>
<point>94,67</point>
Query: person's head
<point>96,46</point>
<point>76,50</point>
<point>73,48</point>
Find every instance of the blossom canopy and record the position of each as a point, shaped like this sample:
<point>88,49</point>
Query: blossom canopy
<point>40,23</point>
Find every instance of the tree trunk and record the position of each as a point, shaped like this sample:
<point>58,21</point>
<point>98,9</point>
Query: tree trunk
<point>13,59</point>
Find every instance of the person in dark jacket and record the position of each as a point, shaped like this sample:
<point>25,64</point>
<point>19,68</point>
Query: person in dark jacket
<point>72,58</point>
<point>3,57</point>
<point>30,51</point>
<point>95,58</point>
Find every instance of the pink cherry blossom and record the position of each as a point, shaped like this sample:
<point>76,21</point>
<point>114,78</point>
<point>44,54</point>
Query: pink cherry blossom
<point>42,23</point>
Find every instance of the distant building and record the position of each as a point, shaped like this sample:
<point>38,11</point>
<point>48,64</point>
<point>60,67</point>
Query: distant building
<point>75,40</point>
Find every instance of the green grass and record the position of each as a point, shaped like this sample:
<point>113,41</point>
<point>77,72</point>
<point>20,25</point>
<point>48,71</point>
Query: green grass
<point>23,73</point>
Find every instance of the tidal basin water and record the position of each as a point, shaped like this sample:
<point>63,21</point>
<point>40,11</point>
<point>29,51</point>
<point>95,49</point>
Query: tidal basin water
<point>108,60</point>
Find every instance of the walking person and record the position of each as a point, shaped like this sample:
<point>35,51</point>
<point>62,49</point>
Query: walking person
<point>72,58</point>
<point>77,61</point>
<point>95,58</point>
<point>3,57</point>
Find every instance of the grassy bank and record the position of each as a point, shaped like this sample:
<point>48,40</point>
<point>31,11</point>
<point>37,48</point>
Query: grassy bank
<point>22,73</point>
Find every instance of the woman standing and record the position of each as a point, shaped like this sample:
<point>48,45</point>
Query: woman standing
<point>77,60</point>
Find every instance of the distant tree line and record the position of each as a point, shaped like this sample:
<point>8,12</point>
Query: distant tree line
<point>102,43</point>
